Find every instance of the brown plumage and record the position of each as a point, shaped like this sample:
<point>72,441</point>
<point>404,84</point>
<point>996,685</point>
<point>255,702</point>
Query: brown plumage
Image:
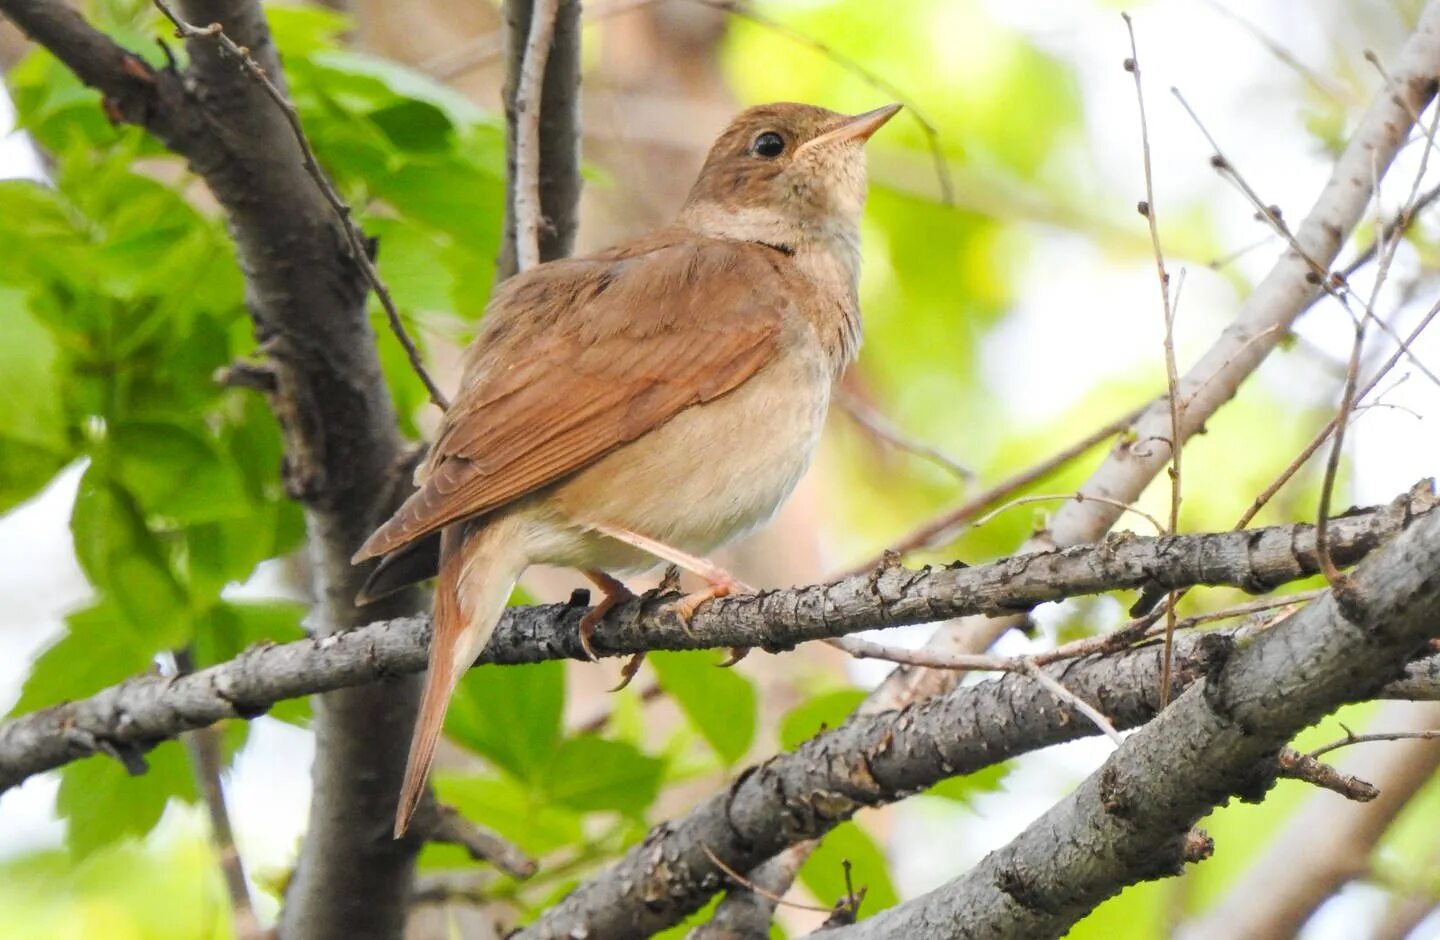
<point>668,390</point>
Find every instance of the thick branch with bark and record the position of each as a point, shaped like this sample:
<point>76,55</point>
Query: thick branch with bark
<point>558,153</point>
<point>1129,821</point>
<point>307,297</point>
<point>1326,843</point>
<point>135,715</point>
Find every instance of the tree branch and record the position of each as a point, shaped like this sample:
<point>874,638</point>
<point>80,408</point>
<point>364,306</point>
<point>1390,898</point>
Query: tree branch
<point>139,713</point>
<point>306,294</point>
<point>555,160</point>
<point>1128,822</point>
<point>1263,321</point>
<point>1325,844</point>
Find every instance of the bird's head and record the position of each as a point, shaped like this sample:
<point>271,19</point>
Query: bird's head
<point>782,173</point>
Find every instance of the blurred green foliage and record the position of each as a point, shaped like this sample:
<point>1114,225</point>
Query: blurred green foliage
<point>120,298</point>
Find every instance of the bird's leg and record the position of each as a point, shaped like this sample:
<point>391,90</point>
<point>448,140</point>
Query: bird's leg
<point>614,593</point>
<point>720,582</point>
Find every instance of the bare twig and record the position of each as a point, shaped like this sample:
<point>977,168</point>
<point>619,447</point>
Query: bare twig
<point>1305,767</point>
<point>1078,497</point>
<point>1334,284</point>
<point>1352,738</point>
<point>1075,701</point>
<point>747,911</point>
<point>1317,81</point>
<point>441,823</point>
<point>1324,433</point>
<point>1100,644</point>
<point>1332,465</point>
<point>935,659</point>
<point>1172,373</point>
<point>1398,225</point>
<point>883,430</point>
<point>940,530</point>
<point>748,885</point>
<point>203,746</point>
<point>353,236</point>
<point>527,133</point>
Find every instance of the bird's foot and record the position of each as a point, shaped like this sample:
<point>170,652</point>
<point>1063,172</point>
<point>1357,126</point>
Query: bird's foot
<point>614,593</point>
<point>720,584</point>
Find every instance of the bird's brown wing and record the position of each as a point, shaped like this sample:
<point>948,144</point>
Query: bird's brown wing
<point>578,357</point>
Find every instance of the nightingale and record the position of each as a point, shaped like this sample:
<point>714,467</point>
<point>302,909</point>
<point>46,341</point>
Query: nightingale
<point>645,403</point>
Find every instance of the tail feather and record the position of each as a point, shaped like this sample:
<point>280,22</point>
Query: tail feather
<point>478,569</point>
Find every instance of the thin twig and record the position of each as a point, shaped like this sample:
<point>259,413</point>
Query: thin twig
<point>885,431</point>
<point>749,885</point>
<point>1398,225</point>
<point>1172,373</point>
<point>935,659</point>
<point>1324,433</point>
<point>1352,738</point>
<point>1078,497</point>
<point>1319,82</point>
<point>447,825</point>
<point>203,747</point>
<point>1305,767</point>
<point>528,213</point>
<point>1100,644</point>
<point>353,236</point>
<point>1333,283</point>
<point>1215,264</point>
<point>1332,465</point>
<point>938,531</point>
<point>1075,701</point>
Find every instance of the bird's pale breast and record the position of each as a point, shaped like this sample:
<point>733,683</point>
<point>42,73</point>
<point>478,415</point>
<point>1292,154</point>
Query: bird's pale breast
<point>711,474</point>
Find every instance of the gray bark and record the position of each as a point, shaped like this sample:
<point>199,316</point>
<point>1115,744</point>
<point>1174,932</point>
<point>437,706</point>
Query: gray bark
<point>307,298</point>
<point>132,717</point>
<point>559,132</point>
<point>1129,821</point>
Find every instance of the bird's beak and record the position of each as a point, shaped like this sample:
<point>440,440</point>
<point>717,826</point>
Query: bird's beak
<point>857,128</point>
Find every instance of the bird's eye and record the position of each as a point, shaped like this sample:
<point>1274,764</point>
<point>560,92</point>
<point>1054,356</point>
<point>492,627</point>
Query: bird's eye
<point>769,144</point>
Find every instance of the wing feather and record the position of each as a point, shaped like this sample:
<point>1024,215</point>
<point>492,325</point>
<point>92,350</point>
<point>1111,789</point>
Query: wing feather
<point>578,357</point>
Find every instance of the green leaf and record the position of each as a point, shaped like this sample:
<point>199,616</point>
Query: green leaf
<point>590,773</point>
<point>447,193</point>
<point>30,394</point>
<point>817,714</point>
<point>99,648</point>
<point>33,440</point>
<point>511,715</point>
<point>824,875</point>
<point>512,809</point>
<point>411,263</point>
<point>400,82</point>
<point>305,30</point>
<point>720,703</point>
<point>124,561</point>
<point>177,474</point>
<point>101,803</point>
<point>24,471</point>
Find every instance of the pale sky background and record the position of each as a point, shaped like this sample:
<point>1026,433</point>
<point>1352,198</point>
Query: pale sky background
<point>1081,317</point>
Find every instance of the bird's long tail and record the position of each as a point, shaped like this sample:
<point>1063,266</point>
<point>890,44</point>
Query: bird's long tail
<point>478,569</point>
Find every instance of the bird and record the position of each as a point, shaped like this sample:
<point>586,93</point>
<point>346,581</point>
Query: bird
<point>646,403</point>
